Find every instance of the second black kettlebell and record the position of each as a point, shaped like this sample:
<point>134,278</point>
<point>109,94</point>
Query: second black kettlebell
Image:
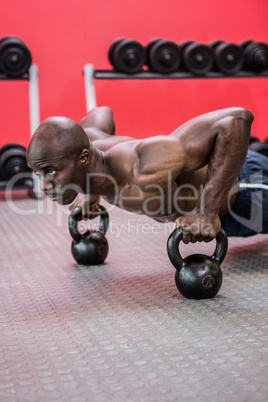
<point>91,247</point>
<point>198,276</point>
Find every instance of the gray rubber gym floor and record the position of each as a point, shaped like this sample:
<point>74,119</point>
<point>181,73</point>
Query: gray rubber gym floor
<point>121,331</point>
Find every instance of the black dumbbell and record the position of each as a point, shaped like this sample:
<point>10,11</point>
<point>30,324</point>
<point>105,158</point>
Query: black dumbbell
<point>163,56</point>
<point>255,55</point>
<point>197,57</point>
<point>127,56</point>
<point>258,146</point>
<point>15,57</point>
<point>12,161</point>
<point>228,57</point>
<point>111,50</point>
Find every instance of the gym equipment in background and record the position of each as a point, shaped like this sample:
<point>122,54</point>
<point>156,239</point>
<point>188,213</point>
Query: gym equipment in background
<point>127,56</point>
<point>256,56</point>
<point>91,247</point>
<point>163,56</point>
<point>189,59</point>
<point>15,64</point>
<point>228,57</point>
<point>197,57</point>
<point>15,57</point>
<point>198,276</point>
<point>13,161</point>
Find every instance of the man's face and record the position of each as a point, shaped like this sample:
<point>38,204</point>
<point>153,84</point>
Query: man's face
<point>60,178</point>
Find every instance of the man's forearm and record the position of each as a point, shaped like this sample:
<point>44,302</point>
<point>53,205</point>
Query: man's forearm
<point>227,158</point>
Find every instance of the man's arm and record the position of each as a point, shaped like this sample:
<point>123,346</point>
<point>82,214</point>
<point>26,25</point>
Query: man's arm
<point>218,140</point>
<point>224,148</point>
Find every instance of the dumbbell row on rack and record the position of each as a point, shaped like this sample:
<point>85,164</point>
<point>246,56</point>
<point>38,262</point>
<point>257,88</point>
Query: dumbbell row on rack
<point>163,56</point>
<point>15,57</point>
<point>12,161</point>
<point>14,172</point>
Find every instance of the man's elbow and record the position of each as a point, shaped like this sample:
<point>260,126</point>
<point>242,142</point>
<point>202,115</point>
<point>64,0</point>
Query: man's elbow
<point>246,115</point>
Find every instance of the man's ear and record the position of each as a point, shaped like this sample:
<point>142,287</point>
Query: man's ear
<point>85,157</point>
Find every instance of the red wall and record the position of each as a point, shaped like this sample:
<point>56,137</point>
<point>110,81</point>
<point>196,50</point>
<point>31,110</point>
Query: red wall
<point>64,35</point>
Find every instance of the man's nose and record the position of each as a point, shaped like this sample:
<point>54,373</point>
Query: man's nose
<point>45,184</point>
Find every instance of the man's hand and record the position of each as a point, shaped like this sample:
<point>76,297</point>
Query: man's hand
<point>89,205</point>
<point>199,227</point>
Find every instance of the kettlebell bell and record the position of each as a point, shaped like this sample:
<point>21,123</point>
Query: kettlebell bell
<point>91,247</point>
<point>198,276</point>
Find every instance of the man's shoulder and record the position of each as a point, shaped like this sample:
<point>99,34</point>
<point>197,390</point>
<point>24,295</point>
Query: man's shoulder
<point>162,144</point>
<point>122,156</point>
<point>161,153</point>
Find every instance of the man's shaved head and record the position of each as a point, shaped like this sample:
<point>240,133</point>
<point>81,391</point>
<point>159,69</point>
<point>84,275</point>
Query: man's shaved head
<point>57,134</point>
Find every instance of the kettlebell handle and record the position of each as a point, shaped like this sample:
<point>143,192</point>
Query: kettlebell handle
<point>174,253</point>
<point>76,215</point>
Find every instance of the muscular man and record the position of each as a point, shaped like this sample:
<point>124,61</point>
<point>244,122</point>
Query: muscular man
<point>190,176</point>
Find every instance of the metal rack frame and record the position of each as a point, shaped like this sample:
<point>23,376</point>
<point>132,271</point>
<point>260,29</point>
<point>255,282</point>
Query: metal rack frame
<point>90,74</point>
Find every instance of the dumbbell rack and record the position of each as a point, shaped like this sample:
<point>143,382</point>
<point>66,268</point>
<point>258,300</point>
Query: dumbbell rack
<point>32,77</point>
<point>90,74</point>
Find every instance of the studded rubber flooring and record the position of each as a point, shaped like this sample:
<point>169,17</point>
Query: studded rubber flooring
<point>121,331</point>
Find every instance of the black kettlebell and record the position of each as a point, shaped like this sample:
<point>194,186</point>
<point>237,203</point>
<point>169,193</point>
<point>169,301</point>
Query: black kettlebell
<point>91,247</point>
<point>198,276</point>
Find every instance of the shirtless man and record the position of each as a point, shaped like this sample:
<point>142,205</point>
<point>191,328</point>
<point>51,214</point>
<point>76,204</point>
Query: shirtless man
<point>189,176</point>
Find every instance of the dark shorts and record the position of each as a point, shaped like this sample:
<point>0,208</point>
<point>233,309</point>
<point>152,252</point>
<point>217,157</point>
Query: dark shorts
<point>249,215</point>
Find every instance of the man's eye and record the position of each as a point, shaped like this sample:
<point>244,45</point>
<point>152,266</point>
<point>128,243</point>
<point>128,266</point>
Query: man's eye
<point>51,172</point>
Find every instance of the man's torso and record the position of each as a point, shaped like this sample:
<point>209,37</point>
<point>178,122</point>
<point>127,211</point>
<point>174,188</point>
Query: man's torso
<point>159,192</point>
